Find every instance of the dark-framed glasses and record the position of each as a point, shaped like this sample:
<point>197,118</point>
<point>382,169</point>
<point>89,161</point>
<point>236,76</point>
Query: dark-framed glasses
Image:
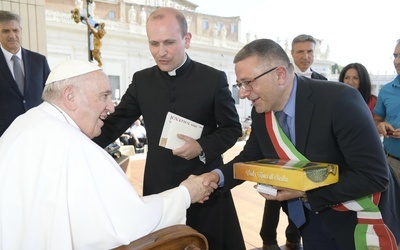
<point>245,85</point>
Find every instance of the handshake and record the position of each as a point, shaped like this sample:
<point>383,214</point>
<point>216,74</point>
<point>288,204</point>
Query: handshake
<point>200,187</point>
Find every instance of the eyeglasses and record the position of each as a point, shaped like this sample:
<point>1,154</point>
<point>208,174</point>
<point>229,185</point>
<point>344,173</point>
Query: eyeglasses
<point>245,85</point>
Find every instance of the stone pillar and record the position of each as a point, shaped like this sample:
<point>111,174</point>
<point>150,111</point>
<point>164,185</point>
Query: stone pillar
<point>33,22</point>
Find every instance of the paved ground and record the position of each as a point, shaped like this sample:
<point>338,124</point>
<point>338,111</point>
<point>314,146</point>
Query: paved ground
<point>249,204</point>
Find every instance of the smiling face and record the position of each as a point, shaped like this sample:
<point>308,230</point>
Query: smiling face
<point>268,91</point>
<point>352,78</point>
<point>10,36</point>
<point>166,42</point>
<point>93,103</point>
<point>303,54</point>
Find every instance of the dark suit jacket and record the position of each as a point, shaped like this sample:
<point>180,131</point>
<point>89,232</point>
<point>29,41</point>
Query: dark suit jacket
<point>12,102</point>
<point>316,75</point>
<point>333,124</point>
<point>201,94</point>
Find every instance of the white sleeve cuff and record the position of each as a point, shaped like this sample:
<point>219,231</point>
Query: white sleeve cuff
<point>187,195</point>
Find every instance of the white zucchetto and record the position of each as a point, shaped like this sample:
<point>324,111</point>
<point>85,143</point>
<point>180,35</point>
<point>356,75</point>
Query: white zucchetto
<point>71,68</point>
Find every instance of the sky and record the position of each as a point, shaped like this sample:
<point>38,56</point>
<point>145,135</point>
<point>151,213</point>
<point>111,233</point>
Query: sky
<point>355,30</point>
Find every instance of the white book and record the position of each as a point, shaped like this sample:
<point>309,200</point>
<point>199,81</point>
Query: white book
<point>267,189</point>
<point>175,124</point>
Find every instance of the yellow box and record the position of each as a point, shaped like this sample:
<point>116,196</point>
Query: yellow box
<point>298,175</point>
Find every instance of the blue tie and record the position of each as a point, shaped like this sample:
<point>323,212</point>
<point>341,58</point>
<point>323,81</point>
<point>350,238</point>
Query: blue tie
<point>282,116</point>
<point>295,206</point>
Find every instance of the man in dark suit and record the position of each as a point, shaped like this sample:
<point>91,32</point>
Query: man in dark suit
<point>17,99</point>
<point>303,53</point>
<point>194,91</point>
<point>328,122</point>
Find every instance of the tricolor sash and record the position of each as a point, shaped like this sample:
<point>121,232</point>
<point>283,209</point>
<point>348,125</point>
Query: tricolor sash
<point>371,231</point>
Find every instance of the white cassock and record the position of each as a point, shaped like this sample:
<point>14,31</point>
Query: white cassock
<point>60,190</point>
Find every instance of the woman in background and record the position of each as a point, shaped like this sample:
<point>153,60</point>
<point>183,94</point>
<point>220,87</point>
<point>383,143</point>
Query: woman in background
<point>356,75</point>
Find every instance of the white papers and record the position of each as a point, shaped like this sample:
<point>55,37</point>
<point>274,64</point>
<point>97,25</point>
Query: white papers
<point>175,124</point>
<point>267,189</point>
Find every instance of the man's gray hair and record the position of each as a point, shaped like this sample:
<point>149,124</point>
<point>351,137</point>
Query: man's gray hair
<point>7,16</point>
<point>303,38</point>
<point>53,91</point>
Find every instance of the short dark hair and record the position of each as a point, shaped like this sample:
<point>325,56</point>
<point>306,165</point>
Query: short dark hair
<point>267,51</point>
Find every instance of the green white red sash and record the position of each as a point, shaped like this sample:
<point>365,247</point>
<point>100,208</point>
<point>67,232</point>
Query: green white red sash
<point>283,146</point>
<point>371,231</point>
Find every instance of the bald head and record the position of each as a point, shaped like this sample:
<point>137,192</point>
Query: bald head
<point>162,13</point>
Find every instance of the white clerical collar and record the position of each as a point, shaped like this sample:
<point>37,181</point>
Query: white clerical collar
<point>306,73</point>
<point>173,72</point>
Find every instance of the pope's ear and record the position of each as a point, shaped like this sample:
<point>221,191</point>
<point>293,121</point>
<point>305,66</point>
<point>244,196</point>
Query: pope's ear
<point>69,97</point>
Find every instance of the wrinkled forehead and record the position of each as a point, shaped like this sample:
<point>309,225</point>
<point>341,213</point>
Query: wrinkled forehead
<point>303,45</point>
<point>96,82</point>
<point>10,24</point>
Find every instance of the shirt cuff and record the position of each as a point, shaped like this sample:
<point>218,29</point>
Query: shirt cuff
<point>202,157</point>
<point>187,196</point>
<point>221,177</point>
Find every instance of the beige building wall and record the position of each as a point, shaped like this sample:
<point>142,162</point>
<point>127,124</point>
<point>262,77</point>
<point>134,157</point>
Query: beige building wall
<point>33,17</point>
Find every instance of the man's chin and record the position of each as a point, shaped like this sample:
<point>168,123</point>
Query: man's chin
<point>96,133</point>
<point>260,109</point>
<point>100,124</point>
<point>97,130</point>
<point>164,67</point>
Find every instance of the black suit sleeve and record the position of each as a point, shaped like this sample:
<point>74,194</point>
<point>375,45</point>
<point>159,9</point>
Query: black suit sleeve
<point>359,153</point>
<point>228,129</point>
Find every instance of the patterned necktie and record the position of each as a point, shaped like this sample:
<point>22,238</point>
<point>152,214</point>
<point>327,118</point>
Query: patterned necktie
<point>19,76</point>
<point>295,206</point>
